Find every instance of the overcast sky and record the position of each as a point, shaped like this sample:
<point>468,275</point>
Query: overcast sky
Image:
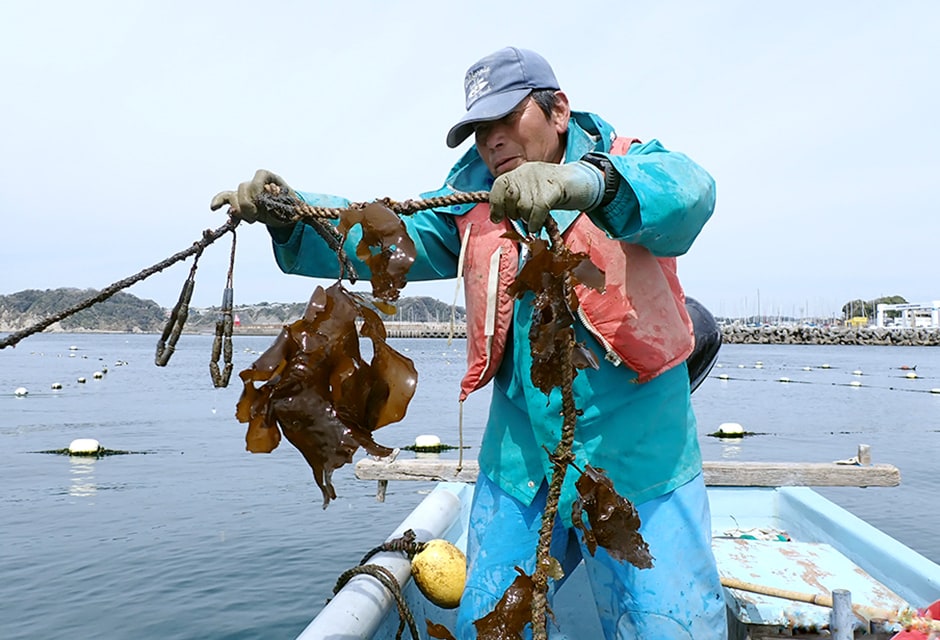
<point>120,120</point>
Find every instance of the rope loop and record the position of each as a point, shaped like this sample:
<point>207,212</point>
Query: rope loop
<point>387,579</point>
<point>224,327</point>
<point>406,544</point>
<point>166,345</point>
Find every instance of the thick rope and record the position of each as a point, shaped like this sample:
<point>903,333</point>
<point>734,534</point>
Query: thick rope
<point>288,209</point>
<point>406,544</point>
<point>166,345</point>
<point>561,459</point>
<point>388,580</point>
<point>208,237</point>
<point>222,343</point>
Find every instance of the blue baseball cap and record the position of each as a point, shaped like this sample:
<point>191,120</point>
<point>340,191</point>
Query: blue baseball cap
<point>496,84</point>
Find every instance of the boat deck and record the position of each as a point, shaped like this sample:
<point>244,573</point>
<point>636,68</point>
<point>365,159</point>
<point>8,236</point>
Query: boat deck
<point>794,540</point>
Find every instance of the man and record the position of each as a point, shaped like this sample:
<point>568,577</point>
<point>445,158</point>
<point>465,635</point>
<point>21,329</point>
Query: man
<point>634,207</point>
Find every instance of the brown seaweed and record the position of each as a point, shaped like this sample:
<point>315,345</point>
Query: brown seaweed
<point>615,523</point>
<point>319,390</point>
<point>385,247</point>
<point>438,631</point>
<point>511,614</point>
<point>551,276</point>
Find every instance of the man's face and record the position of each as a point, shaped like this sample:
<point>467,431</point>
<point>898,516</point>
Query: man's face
<point>523,135</point>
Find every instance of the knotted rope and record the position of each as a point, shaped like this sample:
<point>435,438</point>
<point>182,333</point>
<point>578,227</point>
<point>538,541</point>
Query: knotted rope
<point>166,345</point>
<point>222,343</point>
<point>406,544</point>
<point>561,459</point>
<point>288,209</point>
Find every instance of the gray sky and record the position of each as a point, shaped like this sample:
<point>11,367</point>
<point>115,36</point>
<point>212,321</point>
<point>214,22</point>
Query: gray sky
<point>120,120</point>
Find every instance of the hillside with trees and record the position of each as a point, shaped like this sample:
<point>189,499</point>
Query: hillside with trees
<point>124,312</point>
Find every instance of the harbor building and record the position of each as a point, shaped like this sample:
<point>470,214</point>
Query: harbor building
<point>911,315</point>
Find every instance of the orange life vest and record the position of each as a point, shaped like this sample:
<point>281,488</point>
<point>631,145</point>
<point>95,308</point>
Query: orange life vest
<point>640,319</point>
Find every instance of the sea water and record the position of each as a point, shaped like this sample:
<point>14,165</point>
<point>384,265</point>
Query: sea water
<point>190,536</point>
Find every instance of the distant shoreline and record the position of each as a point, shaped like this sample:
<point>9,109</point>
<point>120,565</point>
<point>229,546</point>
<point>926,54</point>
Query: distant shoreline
<point>731,334</point>
<point>393,329</point>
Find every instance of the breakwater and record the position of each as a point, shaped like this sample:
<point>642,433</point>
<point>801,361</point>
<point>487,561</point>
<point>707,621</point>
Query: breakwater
<point>731,334</point>
<point>832,335</point>
<point>393,329</point>
<point>425,330</point>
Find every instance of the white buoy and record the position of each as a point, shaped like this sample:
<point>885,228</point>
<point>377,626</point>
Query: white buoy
<point>807,368</point>
<point>740,366</point>
<point>783,379</point>
<point>730,429</point>
<point>73,348</point>
<point>759,365</point>
<point>97,375</point>
<point>855,383</point>
<point>81,381</point>
<point>857,372</point>
<point>824,366</point>
<point>84,447</point>
<point>910,375</point>
<point>56,385</point>
<point>935,390</point>
<point>21,392</point>
<point>722,376</point>
<point>427,441</point>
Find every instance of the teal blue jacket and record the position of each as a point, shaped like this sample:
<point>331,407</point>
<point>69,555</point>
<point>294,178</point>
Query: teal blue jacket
<point>643,435</point>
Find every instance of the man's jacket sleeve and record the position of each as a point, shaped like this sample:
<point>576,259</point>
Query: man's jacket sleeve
<point>663,202</point>
<point>300,250</point>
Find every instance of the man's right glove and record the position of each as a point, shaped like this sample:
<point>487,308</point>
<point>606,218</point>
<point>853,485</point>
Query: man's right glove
<point>242,201</point>
<point>533,189</point>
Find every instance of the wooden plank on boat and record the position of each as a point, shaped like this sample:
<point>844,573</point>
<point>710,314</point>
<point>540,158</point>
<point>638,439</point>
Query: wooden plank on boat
<point>800,474</point>
<point>728,474</point>
<point>433,469</point>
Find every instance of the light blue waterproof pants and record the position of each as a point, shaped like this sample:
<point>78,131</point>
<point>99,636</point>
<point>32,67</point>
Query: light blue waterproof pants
<point>679,598</point>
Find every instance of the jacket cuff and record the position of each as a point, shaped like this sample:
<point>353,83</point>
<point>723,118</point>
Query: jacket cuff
<point>621,217</point>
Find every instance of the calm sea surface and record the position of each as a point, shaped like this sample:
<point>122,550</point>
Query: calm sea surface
<point>196,538</point>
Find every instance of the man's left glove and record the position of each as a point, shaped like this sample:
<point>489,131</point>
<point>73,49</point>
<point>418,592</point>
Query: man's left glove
<point>533,189</point>
<point>242,201</point>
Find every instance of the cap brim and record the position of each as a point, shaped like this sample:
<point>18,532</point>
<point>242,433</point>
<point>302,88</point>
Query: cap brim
<point>492,107</point>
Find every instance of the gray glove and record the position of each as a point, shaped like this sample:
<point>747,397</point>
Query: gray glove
<point>533,189</point>
<point>242,204</point>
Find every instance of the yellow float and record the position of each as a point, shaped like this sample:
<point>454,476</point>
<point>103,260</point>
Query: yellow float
<point>440,571</point>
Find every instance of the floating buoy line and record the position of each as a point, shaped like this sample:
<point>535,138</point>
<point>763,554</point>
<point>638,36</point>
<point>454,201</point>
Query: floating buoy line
<point>905,372</point>
<point>22,392</point>
<point>910,374</point>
